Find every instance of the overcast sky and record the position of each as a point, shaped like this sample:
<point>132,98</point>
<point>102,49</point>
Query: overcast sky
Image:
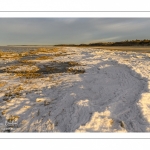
<point>71,30</point>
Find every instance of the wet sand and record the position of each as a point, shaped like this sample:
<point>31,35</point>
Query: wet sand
<point>141,49</point>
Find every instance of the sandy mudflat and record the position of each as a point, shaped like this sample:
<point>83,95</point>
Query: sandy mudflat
<point>81,90</point>
<point>142,49</point>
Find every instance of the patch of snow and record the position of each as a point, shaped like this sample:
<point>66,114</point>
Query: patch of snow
<point>111,96</point>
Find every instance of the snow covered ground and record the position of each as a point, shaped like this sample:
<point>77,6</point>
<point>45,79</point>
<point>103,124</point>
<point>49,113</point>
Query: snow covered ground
<point>113,95</point>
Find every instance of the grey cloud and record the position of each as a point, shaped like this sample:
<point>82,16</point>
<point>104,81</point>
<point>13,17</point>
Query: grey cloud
<point>71,30</point>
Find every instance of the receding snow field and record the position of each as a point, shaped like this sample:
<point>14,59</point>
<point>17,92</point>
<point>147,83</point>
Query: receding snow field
<point>113,95</point>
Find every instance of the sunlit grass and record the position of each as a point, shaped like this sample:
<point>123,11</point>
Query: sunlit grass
<point>75,71</point>
<point>26,62</point>
<point>28,75</point>
<point>13,91</point>
<point>44,57</point>
<point>2,84</point>
<point>8,55</point>
<point>73,63</point>
<point>13,118</point>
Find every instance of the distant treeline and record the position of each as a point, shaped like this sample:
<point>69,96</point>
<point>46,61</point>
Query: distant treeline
<point>144,42</point>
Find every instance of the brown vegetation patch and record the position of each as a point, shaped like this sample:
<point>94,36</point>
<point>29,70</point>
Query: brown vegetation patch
<point>2,84</point>
<point>45,50</point>
<point>28,75</point>
<point>75,71</point>
<point>60,54</point>
<point>9,69</point>
<point>4,112</point>
<point>44,57</point>
<point>26,62</point>
<point>73,63</point>
<point>13,118</point>
<point>23,54</point>
<point>14,91</point>
<point>51,69</point>
<point>61,67</point>
<point>7,55</point>
<point>27,70</point>
<point>25,81</point>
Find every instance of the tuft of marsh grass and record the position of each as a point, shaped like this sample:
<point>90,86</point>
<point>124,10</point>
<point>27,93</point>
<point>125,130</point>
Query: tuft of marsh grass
<point>26,62</point>
<point>59,54</point>
<point>29,71</point>
<point>2,84</point>
<point>51,69</point>
<point>7,55</point>
<point>28,75</point>
<point>44,57</point>
<point>73,63</point>
<point>4,112</point>
<point>13,91</point>
<point>44,50</point>
<point>13,118</point>
<point>122,124</point>
<point>75,71</point>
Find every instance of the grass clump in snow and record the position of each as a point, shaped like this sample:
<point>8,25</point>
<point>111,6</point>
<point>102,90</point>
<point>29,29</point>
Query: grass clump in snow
<point>75,71</point>
<point>52,50</point>
<point>44,50</point>
<point>9,69</point>
<point>60,54</point>
<point>28,75</point>
<point>13,118</point>
<point>122,124</point>
<point>4,111</point>
<point>13,91</point>
<point>51,69</point>
<point>44,57</point>
<point>8,55</point>
<point>73,63</point>
<point>2,84</point>
<point>27,70</point>
<point>26,62</point>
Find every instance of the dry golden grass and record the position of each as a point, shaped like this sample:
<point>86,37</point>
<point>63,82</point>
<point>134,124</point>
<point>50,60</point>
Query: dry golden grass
<point>13,118</point>
<point>25,81</point>
<point>13,91</point>
<point>44,50</point>
<point>26,62</point>
<point>7,55</point>
<point>17,56</point>
<point>73,63</point>
<point>22,68</point>
<point>44,57</point>
<point>11,68</point>
<point>111,122</point>
<point>59,54</point>
<point>52,50</point>
<point>28,75</point>
<point>2,84</point>
<point>23,54</point>
<point>17,89</point>
<point>51,69</point>
<point>75,71</point>
<point>25,69</point>
<point>4,112</point>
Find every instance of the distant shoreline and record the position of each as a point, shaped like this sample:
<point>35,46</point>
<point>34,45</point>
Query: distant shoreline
<point>29,45</point>
<point>141,49</point>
